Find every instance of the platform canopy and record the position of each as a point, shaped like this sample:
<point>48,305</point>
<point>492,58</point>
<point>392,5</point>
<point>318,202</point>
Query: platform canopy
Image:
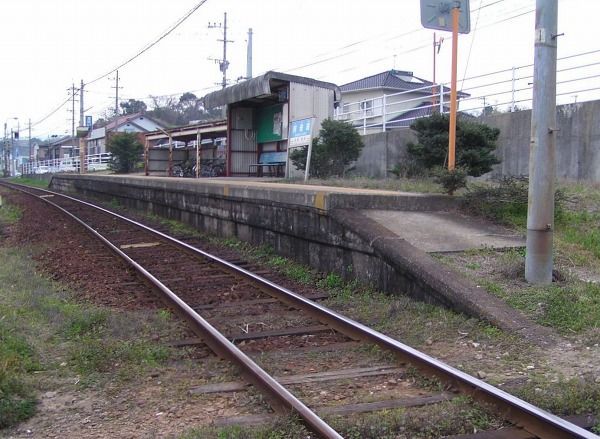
<point>261,87</point>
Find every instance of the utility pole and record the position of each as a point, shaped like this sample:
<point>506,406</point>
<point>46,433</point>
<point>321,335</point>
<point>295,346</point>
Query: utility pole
<point>249,55</point>
<point>81,104</point>
<point>540,212</point>
<point>223,63</point>
<point>116,87</point>
<point>437,45</point>
<point>73,110</point>
<point>30,150</point>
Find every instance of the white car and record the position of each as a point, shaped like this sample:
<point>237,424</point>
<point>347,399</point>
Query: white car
<point>67,167</point>
<point>42,170</point>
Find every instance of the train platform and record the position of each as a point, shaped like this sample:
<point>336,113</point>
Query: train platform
<point>430,222</point>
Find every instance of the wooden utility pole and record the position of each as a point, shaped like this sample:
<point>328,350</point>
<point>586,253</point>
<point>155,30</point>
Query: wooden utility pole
<point>542,150</point>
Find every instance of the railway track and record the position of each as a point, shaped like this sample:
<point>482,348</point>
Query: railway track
<point>245,318</point>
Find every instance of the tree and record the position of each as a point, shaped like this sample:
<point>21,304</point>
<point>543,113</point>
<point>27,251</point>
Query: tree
<point>337,145</point>
<point>126,152</point>
<point>475,144</point>
<point>133,106</point>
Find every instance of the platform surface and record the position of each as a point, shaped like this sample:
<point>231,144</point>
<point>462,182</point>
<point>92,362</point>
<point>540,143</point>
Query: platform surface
<point>445,231</point>
<point>430,222</point>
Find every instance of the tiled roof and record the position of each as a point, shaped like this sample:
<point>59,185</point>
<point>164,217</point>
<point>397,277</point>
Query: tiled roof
<point>121,120</point>
<point>393,79</point>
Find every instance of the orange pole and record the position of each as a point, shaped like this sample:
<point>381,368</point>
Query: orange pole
<point>453,97</point>
<point>433,88</point>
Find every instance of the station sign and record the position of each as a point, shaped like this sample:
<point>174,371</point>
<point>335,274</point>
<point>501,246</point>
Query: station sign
<point>301,132</point>
<point>437,14</point>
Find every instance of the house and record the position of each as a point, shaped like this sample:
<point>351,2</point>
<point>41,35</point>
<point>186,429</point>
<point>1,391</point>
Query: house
<point>130,123</point>
<point>62,147</point>
<point>390,99</point>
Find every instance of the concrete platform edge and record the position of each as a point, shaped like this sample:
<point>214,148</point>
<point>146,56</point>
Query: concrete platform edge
<point>434,279</point>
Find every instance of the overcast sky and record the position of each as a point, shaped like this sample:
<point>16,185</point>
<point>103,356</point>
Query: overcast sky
<point>47,45</point>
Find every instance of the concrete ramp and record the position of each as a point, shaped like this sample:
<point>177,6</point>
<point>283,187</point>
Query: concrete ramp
<point>437,232</point>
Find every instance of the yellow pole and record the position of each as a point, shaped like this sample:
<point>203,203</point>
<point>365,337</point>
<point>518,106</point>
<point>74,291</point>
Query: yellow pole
<point>453,97</point>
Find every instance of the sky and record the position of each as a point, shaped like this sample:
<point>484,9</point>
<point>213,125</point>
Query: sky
<point>47,45</point>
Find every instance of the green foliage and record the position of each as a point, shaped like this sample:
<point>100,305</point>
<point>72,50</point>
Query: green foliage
<point>581,228</point>
<point>337,145</point>
<point>133,106</point>
<point>506,201</point>
<point>126,152</point>
<point>475,144</point>
<point>408,169</point>
<point>97,355</point>
<point>17,401</point>
<point>452,180</point>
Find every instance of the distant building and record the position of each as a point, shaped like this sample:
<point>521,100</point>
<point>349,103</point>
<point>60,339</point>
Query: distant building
<point>131,123</point>
<point>62,147</point>
<point>390,99</point>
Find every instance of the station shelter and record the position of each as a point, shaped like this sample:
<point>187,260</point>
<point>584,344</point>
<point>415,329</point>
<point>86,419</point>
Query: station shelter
<point>270,115</point>
<point>194,150</point>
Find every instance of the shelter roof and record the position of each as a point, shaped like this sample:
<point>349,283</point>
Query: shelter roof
<point>261,87</point>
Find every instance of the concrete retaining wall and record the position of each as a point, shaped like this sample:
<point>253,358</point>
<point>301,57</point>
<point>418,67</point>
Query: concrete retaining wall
<point>295,223</point>
<point>577,143</point>
<point>577,147</point>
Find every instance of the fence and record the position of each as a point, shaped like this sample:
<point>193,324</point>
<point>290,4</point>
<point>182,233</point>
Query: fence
<point>501,91</point>
<point>93,162</point>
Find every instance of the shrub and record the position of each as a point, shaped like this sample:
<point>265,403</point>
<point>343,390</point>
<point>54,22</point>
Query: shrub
<point>475,144</point>
<point>452,180</point>
<point>337,145</point>
<point>506,202</point>
<point>126,152</point>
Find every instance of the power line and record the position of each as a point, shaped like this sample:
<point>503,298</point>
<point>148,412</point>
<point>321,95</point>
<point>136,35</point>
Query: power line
<point>153,43</point>
<point>471,46</point>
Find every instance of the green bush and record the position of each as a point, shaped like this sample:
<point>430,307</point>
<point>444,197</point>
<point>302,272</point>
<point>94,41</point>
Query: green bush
<point>475,144</point>
<point>452,180</point>
<point>126,152</point>
<point>506,201</point>
<point>337,145</point>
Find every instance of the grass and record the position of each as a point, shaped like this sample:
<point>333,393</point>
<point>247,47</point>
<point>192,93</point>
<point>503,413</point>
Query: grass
<point>41,183</point>
<point>571,305</point>
<point>43,329</point>
<point>284,428</point>
<point>458,416</point>
<point>567,397</point>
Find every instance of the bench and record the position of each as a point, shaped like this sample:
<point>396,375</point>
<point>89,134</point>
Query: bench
<point>273,160</point>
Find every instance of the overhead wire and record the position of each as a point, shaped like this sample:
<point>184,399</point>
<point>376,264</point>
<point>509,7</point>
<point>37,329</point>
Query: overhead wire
<point>153,43</point>
<point>141,52</point>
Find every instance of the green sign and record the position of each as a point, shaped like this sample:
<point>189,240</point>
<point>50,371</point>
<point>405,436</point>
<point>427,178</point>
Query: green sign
<point>269,123</point>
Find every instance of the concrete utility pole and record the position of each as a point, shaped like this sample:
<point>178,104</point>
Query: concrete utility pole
<point>81,104</point>
<point>116,87</point>
<point>249,56</point>
<point>223,63</point>
<point>73,110</point>
<point>542,168</point>
<point>30,150</point>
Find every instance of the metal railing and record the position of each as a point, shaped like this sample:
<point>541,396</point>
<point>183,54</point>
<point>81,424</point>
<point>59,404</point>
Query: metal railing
<point>93,162</point>
<point>503,90</point>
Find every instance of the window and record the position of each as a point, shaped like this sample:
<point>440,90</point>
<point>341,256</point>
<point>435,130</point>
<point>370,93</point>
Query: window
<point>367,107</point>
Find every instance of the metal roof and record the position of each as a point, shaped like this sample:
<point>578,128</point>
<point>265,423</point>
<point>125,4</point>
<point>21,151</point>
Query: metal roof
<point>261,86</point>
